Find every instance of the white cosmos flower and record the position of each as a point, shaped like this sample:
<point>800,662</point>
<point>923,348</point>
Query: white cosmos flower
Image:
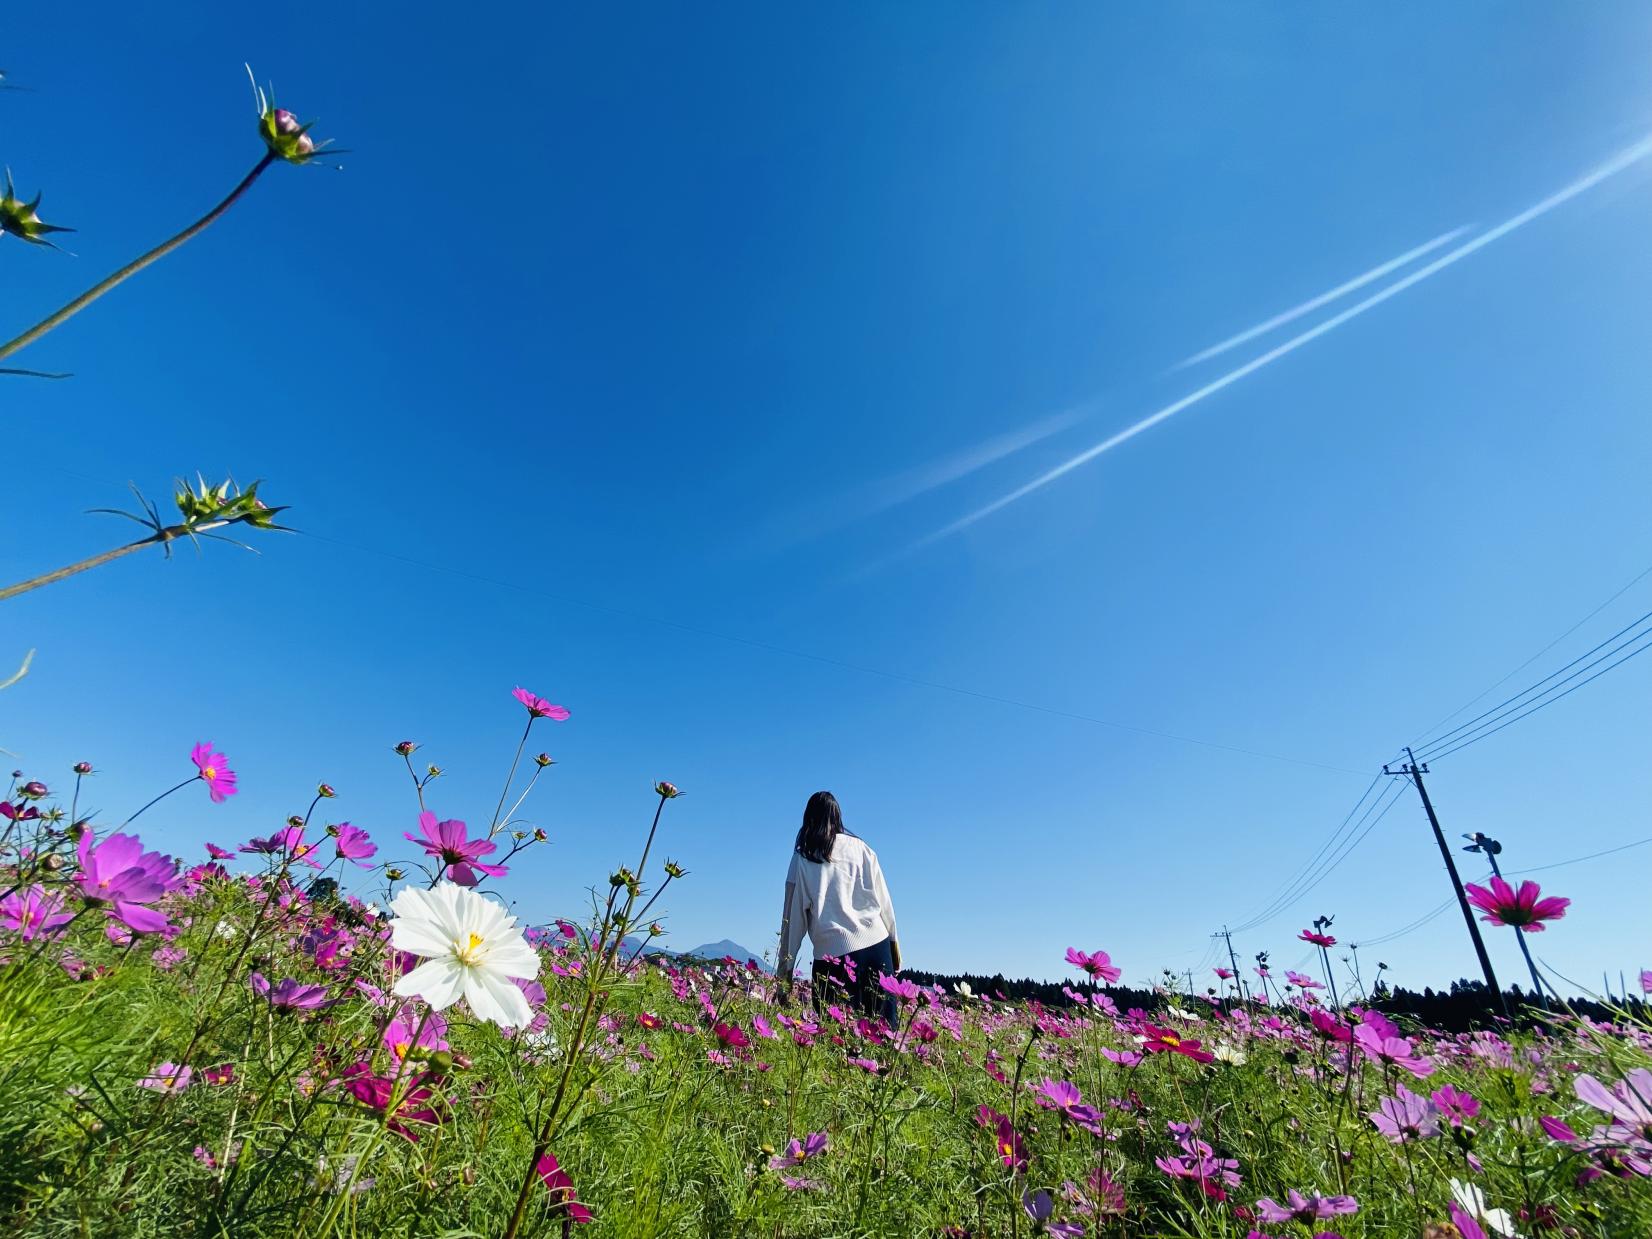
<point>1473,1202</point>
<point>472,949</point>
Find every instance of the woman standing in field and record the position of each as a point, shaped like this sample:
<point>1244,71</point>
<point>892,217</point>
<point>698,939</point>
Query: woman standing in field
<point>836,894</point>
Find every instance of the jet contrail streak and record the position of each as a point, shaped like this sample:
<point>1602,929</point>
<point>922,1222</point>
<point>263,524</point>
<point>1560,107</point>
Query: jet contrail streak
<point>1341,290</point>
<point>1618,163</point>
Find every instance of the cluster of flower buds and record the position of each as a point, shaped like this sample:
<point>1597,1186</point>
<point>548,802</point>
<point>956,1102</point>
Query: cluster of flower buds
<point>225,502</point>
<point>628,880</point>
<point>22,219</point>
<point>286,136</point>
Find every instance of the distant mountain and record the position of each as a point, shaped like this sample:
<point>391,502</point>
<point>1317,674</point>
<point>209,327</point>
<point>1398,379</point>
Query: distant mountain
<point>722,947</point>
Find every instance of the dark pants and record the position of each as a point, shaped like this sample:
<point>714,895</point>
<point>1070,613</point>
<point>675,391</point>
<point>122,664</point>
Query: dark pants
<point>832,984</point>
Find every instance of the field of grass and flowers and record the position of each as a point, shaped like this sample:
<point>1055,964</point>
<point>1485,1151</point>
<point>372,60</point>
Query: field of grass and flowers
<point>328,1032</point>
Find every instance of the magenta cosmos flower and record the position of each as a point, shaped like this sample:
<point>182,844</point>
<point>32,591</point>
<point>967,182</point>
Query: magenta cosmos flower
<point>1324,940</point>
<point>121,876</point>
<point>290,995</point>
<point>538,707</point>
<point>799,1151</point>
<point>215,772</point>
<point>34,913</point>
<point>351,843</point>
<point>459,855</point>
<point>1523,908</point>
<point>564,1201</point>
<point>1099,966</point>
<point>1300,1208</point>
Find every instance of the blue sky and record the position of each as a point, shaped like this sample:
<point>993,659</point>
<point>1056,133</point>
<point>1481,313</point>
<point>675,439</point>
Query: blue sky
<point>621,334</point>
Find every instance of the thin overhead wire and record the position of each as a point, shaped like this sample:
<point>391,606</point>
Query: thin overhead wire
<point>1640,576</point>
<point>1300,889</point>
<point>1646,643</point>
<point>1444,740</point>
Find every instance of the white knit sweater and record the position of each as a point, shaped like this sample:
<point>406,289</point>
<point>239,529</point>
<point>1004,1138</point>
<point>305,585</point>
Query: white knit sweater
<point>843,905</point>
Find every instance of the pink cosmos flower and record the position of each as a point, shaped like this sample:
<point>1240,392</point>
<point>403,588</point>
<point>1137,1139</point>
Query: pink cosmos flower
<point>1646,980</point>
<point>904,990</point>
<point>1380,1040</point>
<point>218,853</point>
<point>120,875</point>
<point>1063,1097</point>
<point>1457,1106</point>
<point>290,995</point>
<point>459,855</point>
<point>799,1151</point>
<point>412,1112</point>
<point>168,1078</point>
<point>1329,1027</point>
<point>1524,908</point>
<point>1318,939</point>
<point>1225,974</point>
<point>1124,1058</point>
<point>1301,981</point>
<point>1099,965</point>
<point>868,1065</point>
<point>1466,1226</point>
<point>1168,1040</point>
<point>352,843</point>
<point>1304,1209</point>
<point>288,842</point>
<point>564,1203</point>
<point>1406,1117</point>
<point>538,707</point>
<point>215,772</point>
<point>34,913</point>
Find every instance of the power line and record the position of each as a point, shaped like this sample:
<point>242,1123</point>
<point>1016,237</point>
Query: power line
<point>1641,649</point>
<point>1426,917</point>
<point>1633,581</point>
<point>1311,877</point>
<point>1515,702</point>
<point>1297,875</point>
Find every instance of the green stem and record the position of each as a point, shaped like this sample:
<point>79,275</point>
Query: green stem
<point>136,265</point>
<point>169,534</point>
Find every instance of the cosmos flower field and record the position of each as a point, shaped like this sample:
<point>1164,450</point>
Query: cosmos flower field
<point>335,1031</point>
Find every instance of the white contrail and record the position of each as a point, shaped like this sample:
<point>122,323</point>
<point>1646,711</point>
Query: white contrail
<point>1341,290</point>
<point>1624,159</point>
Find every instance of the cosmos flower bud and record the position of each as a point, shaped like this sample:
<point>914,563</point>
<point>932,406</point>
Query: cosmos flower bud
<point>76,830</point>
<point>325,791</point>
<point>83,767</point>
<point>667,791</point>
<point>543,760</point>
<point>539,835</point>
<point>433,770</point>
<point>22,219</point>
<point>394,874</point>
<point>332,829</point>
<point>52,862</point>
<point>34,789</point>
<point>295,820</point>
<point>406,747</point>
<point>673,869</point>
<point>655,929</point>
<point>617,880</point>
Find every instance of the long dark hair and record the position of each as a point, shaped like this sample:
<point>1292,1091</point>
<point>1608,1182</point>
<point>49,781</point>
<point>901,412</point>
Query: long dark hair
<point>822,824</point>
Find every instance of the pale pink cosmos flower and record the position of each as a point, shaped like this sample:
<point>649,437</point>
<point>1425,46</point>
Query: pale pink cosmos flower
<point>215,772</point>
<point>1406,1117</point>
<point>168,1078</point>
<point>1304,1209</point>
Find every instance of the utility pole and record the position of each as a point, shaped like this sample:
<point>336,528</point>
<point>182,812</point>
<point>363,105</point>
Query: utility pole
<point>1415,773</point>
<point>1233,961</point>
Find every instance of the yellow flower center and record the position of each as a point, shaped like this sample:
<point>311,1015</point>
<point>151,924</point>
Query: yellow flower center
<point>209,773</point>
<point>468,951</point>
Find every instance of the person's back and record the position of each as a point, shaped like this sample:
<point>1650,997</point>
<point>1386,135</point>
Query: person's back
<point>836,894</point>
